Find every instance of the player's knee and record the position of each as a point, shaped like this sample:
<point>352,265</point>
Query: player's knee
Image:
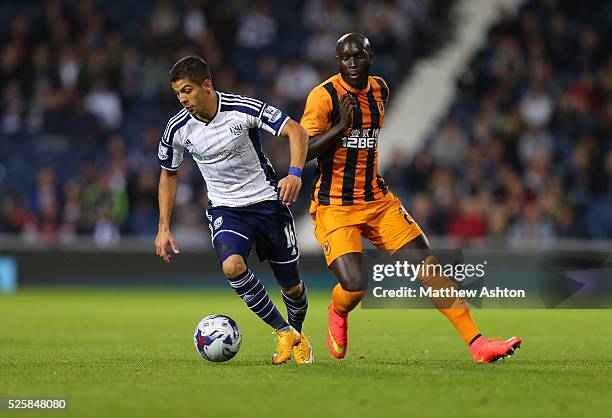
<point>233,266</point>
<point>287,275</point>
<point>415,251</point>
<point>294,292</point>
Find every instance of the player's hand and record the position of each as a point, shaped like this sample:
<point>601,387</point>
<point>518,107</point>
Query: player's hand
<point>289,188</point>
<point>347,104</point>
<point>162,240</point>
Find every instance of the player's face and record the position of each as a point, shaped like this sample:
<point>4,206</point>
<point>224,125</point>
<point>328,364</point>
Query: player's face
<point>354,62</point>
<point>192,96</point>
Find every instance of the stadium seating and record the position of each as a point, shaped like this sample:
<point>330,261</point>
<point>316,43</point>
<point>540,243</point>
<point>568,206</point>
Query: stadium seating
<point>85,93</point>
<point>524,152</point>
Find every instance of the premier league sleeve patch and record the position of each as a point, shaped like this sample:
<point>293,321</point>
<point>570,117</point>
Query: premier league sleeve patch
<point>170,157</point>
<point>162,152</point>
<point>273,119</point>
<point>271,114</point>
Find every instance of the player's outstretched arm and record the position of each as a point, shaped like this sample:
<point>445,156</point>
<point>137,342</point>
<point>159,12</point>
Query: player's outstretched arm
<point>168,182</point>
<point>318,144</point>
<point>289,187</point>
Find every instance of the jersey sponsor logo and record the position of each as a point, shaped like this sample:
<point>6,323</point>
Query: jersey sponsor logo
<point>236,129</point>
<point>361,138</point>
<point>218,156</point>
<point>218,222</point>
<point>272,114</point>
<point>162,152</point>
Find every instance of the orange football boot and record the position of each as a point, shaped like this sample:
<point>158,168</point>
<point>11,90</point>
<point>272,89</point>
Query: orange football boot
<point>285,341</point>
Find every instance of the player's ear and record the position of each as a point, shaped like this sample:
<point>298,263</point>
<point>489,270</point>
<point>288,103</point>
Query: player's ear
<point>207,85</point>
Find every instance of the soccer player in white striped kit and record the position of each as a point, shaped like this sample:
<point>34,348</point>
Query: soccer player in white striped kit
<point>247,202</point>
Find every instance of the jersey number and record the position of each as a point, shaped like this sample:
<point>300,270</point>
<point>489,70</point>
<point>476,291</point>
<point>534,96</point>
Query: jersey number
<point>404,212</point>
<point>290,235</point>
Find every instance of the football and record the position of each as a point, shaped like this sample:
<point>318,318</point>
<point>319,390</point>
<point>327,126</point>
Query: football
<point>217,338</point>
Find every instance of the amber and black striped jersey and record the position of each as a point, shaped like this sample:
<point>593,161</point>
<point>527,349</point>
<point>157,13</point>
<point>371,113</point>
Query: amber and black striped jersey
<point>348,172</point>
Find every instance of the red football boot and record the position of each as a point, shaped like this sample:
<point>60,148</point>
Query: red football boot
<point>489,350</point>
<point>337,333</point>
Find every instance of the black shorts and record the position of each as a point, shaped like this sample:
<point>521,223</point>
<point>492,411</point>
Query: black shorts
<point>268,225</point>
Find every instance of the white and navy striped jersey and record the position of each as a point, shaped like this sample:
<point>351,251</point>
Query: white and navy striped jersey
<point>227,149</point>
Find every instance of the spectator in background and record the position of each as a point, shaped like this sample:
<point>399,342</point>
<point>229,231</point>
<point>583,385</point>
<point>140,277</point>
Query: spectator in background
<point>322,14</point>
<point>537,173</point>
<point>534,226</point>
<point>46,191</point>
<point>294,82</point>
<point>421,208</point>
<point>442,189</point>
<point>320,49</point>
<point>104,201</point>
<point>470,224</point>
<point>56,112</point>
<point>72,221</point>
<point>396,177</point>
<point>47,226</point>
<point>536,104</point>
<point>164,20</point>
<point>13,108</point>
<point>257,29</point>
<point>534,142</point>
<point>141,156</point>
<point>105,104</point>
<point>69,66</point>
<point>16,215</point>
<point>143,201</point>
<point>497,223</point>
<point>267,66</point>
<point>194,21</point>
<point>105,233</point>
<point>419,171</point>
<point>450,145</point>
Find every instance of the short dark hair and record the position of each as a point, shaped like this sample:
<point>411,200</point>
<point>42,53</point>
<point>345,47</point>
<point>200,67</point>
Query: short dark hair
<point>191,67</point>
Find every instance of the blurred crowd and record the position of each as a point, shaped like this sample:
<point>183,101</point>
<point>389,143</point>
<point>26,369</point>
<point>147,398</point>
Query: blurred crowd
<point>525,151</point>
<point>85,95</point>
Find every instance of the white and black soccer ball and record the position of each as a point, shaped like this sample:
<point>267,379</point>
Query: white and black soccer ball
<point>217,338</point>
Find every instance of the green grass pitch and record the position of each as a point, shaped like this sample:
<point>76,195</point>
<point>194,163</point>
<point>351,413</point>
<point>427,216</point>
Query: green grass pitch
<point>129,353</point>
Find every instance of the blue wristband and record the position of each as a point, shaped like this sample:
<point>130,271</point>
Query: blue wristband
<point>294,171</point>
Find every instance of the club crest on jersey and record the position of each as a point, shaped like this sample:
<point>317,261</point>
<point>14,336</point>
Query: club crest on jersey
<point>236,129</point>
<point>218,222</point>
<point>162,152</point>
<point>381,108</point>
<point>272,114</point>
<point>326,248</point>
